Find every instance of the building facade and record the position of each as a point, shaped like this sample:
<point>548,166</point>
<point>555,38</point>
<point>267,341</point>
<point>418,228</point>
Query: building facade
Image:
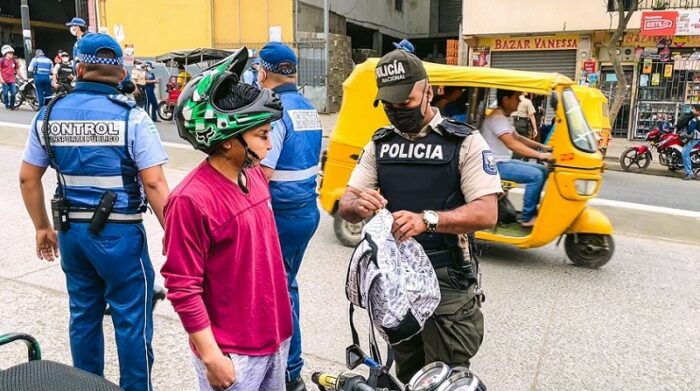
<point>569,37</point>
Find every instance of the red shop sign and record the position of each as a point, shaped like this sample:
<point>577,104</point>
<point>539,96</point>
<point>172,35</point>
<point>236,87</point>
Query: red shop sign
<point>658,23</point>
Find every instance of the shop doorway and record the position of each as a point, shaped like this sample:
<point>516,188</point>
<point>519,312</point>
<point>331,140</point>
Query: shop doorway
<point>608,85</point>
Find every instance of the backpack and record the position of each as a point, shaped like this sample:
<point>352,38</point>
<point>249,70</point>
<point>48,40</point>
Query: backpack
<point>394,282</point>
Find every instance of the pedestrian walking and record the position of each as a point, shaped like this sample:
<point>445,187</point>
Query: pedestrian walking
<point>9,72</point>
<point>692,133</point>
<point>108,157</point>
<point>438,179</point>
<point>150,90</point>
<point>41,66</point>
<point>224,269</point>
<point>292,166</point>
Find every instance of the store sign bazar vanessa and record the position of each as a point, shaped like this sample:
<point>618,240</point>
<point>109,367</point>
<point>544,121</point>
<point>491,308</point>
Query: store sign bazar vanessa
<point>534,43</point>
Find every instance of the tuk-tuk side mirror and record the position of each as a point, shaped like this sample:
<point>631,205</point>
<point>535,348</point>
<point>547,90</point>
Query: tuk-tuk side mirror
<point>554,101</point>
<point>354,356</point>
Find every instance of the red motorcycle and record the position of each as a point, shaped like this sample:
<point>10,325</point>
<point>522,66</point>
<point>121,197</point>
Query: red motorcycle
<point>669,145</point>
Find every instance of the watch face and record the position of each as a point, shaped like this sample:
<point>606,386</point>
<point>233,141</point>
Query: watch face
<point>431,217</point>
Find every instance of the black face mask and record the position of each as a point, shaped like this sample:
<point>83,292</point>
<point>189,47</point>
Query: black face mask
<point>406,120</point>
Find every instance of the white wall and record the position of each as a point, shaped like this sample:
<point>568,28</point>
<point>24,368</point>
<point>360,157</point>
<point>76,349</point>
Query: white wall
<point>414,21</point>
<point>492,17</point>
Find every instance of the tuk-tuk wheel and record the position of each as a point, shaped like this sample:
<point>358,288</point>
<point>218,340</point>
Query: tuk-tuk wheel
<point>589,250</point>
<point>348,234</point>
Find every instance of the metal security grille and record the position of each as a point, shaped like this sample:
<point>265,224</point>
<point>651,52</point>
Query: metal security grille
<point>560,61</point>
<point>449,13</point>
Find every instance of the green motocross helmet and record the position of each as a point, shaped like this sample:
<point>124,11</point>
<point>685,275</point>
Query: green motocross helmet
<point>203,123</point>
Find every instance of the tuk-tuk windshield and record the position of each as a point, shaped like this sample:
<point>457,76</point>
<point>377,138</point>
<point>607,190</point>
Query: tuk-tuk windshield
<point>581,134</point>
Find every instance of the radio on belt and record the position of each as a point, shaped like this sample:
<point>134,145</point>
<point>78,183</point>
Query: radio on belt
<point>59,212</point>
<point>99,219</point>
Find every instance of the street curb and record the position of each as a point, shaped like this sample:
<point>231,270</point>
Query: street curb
<point>613,164</point>
<point>627,218</point>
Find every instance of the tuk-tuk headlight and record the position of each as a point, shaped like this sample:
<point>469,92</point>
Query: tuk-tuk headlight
<point>586,187</point>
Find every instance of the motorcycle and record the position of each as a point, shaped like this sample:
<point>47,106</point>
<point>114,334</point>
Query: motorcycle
<point>436,376</point>
<point>668,143</point>
<point>26,93</point>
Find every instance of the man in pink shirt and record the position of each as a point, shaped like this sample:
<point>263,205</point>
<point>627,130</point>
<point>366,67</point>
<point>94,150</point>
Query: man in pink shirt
<point>224,270</point>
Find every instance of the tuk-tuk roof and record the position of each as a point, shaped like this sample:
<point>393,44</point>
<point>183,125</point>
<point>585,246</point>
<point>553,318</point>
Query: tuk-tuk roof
<point>455,75</point>
<point>193,56</point>
<point>594,105</point>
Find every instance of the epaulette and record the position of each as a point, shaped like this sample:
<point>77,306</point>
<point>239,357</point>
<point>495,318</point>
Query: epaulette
<point>456,128</point>
<point>122,100</point>
<point>382,132</point>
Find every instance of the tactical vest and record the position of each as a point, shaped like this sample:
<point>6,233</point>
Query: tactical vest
<point>65,71</point>
<point>89,135</point>
<point>293,182</point>
<point>423,175</point>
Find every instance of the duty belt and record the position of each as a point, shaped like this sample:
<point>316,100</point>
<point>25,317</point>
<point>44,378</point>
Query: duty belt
<point>444,258</point>
<point>84,216</point>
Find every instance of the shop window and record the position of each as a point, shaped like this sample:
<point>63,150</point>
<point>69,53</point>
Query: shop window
<point>398,5</point>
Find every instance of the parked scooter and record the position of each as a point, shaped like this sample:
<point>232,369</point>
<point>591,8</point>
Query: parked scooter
<point>26,93</point>
<point>668,143</point>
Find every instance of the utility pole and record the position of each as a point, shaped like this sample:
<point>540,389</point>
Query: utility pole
<point>26,33</point>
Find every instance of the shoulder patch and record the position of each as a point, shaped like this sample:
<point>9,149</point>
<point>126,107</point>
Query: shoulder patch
<point>455,128</point>
<point>122,100</point>
<point>382,132</point>
<point>489,162</point>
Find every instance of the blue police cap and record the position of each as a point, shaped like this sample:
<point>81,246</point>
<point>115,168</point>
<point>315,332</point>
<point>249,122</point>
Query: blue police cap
<point>91,43</point>
<point>279,58</point>
<point>77,22</point>
<point>406,45</point>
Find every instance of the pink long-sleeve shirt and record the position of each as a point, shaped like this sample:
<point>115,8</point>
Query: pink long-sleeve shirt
<point>224,264</point>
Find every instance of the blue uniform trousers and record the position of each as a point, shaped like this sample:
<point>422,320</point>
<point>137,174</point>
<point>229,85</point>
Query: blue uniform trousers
<point>151,103</point>
<point>113,267</point>
<point>296,226</point>
<point>43,89</point>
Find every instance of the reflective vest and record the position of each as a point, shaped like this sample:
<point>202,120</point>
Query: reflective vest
<point>294,180</point>
<point>41,66</point>
<point>89,136</point>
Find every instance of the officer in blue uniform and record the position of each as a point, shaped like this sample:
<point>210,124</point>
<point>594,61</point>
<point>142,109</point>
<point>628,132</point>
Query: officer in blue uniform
<point>41,66</point>
<point>78,28</point>
<point>150,88</point>
<point>105,149</point>
<point>292,166</point>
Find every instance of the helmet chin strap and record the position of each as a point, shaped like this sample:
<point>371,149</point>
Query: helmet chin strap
<point>250,158</point>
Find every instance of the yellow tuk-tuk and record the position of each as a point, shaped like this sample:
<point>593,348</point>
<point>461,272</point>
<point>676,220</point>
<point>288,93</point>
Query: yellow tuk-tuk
<point>574,179</point>
<point>595,107</point>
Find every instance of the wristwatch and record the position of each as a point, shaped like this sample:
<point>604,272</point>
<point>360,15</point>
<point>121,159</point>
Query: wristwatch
<point>431,219</point>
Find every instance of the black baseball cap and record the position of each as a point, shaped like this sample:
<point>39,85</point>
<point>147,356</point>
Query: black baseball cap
<point>396,73</point>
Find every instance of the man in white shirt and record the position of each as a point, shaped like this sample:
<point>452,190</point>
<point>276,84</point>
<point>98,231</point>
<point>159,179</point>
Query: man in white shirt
<point>504,140</point>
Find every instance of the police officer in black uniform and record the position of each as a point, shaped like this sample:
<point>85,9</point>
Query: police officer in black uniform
<point>63,74</point>
<point>439,180</point>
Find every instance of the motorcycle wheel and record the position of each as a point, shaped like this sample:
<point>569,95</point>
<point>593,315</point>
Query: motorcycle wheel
<point>589,250</point>
<point>348,234</point>
<point>631,161</point>
<point>34,104</point>
<point>695,159</point>
<point>164,111</point>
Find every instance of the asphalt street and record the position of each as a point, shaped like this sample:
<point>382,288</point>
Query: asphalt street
<point>632,325</point>
<point>618,186</point>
